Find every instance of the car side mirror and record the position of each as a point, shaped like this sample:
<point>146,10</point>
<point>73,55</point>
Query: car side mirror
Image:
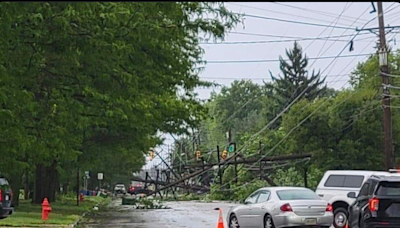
<point>352,195</point>
<point>246,202</point>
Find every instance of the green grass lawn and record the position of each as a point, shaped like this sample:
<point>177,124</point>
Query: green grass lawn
<point>64,212</point>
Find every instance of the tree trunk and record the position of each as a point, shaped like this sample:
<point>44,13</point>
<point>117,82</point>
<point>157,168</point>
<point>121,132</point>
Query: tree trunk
<point>65,187</point>
<point>15,183</point>
<point>26,185</point>
<point>45,182</point>
<point>57,183</point>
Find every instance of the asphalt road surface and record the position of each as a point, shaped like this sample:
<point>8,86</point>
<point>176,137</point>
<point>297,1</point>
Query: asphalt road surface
<point>188,214</point>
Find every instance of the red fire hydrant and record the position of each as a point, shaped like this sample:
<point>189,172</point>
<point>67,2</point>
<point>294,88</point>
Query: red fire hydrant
<point>80,197</point>
<point>45,209</point>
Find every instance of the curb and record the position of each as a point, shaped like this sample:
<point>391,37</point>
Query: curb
<point>77,221</point>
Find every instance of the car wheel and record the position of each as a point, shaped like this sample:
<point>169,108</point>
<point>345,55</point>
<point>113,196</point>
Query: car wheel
<point>340,217</point>
<point>268,223</point>
<point>233,222</point>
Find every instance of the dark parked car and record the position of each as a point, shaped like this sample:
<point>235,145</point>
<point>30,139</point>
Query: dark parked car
<point>378,203</point>
<point>6,196</point>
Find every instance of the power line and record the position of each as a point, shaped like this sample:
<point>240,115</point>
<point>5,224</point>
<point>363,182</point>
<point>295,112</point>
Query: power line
<point>256,78</point>
<point>391,75</point>
<point>295,22</point>
<point>282,13</point>
<point>340,15</point>
<point>328,14</point>
<point>277,60</point>
<point>277,41</point>
<point>342,34</point>
<point>295,37</point>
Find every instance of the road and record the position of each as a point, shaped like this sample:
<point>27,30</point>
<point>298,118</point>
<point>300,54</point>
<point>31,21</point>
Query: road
<point>188,214</point>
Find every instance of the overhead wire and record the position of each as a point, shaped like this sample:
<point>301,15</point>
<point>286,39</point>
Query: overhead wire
<point>295,22</point>
<point>278,60</point>
<point>260,78</point>
<point>324,13</point>
<point>274,46</point>
<point>295,37</point>
<point>278,41</point>
<point>282,13</point>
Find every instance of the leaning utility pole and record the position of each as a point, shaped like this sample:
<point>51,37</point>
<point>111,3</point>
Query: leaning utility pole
<point>384,71</point>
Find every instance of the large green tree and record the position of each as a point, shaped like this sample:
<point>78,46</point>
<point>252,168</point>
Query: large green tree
<point>87,85</point>
<point>296,79</point>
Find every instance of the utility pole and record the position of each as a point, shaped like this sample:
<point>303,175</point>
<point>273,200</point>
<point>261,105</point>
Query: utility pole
<point>219,166</point>
<point>384,71</point>
<point>260,152</point>
<point>229,143</point>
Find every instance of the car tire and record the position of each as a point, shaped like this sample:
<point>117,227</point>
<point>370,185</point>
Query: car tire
<point>340,217</point>
<point>233,222</point>
<point>268,223</point>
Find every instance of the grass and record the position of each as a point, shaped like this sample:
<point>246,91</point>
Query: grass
<point>64,212</point>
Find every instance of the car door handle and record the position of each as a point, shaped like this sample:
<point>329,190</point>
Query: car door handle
<point>262,207</point>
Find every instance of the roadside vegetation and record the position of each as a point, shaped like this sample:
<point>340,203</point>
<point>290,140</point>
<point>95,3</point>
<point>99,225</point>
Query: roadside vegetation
<point>64,212</point>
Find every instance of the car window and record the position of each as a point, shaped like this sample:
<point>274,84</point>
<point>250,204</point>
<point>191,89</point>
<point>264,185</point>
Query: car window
<point>263,197</point>
<point>388,189</point>
<point>252,198</point>
<point>353,181</point>
<point>372,187</point>
<point>344,181</point>
<point>364,190</point>
<point>297,194</point>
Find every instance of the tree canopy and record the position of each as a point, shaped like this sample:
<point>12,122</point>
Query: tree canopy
<point>89,85</point>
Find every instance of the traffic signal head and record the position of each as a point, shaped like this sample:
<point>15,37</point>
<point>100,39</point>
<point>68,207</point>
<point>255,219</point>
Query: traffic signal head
<point>198,154</point>
<point>224,154</point>
<point>151,154</point>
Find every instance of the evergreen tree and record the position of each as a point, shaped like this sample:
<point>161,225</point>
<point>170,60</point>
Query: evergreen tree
<point>296,79</point>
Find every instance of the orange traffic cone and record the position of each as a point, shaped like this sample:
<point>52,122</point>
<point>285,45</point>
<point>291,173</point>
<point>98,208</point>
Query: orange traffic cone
<point>347,225</point>
<point>220,223</point>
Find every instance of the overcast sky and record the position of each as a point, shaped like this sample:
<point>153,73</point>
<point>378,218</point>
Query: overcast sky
<point>263,23</point>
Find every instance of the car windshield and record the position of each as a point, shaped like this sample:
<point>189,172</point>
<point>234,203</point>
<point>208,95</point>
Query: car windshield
<point>388,189</point>
<point>297,194</point>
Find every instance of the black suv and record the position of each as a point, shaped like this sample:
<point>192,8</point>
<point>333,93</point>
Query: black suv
<point>377,205</point>
<point>6,196</point>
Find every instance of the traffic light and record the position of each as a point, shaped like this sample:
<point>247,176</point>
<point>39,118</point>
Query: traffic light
<point>151,155</point>
<point>232,147</point>
<point>198,154</point>
<point>224,154</point>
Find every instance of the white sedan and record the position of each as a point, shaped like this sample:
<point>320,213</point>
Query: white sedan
<point>278,207</point>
